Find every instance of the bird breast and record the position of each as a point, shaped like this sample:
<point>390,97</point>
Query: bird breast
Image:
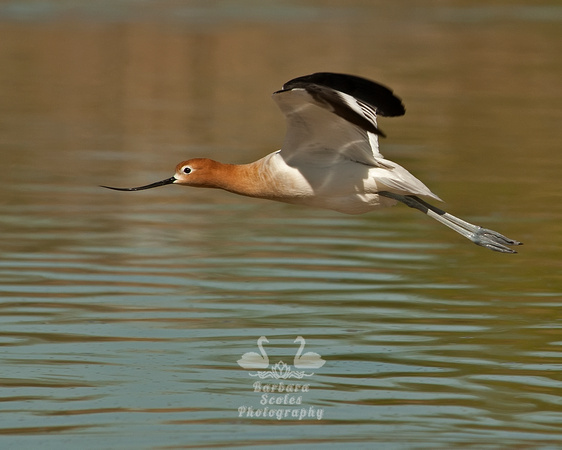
<point>347,187</point>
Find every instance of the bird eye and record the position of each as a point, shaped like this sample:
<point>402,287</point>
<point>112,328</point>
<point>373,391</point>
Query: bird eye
<point>187,169</point>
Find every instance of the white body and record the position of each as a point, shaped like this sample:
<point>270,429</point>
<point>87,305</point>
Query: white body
<point>347,186</point>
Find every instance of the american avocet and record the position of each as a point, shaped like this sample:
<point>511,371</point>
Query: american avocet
<point>330,157</point>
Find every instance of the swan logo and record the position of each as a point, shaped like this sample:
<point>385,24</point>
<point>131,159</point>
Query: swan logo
<point>281,370</point>
<point>281,400</point>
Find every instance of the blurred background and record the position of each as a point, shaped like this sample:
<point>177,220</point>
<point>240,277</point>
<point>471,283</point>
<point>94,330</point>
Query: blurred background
<point>123,314</point>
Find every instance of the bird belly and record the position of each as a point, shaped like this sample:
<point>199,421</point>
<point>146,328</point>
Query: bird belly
<point>347,204</point>
<point>347,187</point>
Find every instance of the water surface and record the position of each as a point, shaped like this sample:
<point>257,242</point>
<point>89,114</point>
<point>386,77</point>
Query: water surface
<point>124,314</point>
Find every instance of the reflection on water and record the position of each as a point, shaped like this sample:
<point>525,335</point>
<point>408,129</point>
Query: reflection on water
<point>124,314</point>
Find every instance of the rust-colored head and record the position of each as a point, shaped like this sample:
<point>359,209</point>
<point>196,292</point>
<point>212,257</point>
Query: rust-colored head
<point>198,172</point>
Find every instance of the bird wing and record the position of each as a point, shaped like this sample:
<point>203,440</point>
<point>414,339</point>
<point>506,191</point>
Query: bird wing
<point>334,116</point>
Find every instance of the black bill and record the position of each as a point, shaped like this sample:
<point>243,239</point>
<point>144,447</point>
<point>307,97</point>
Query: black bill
<point>148,186</point>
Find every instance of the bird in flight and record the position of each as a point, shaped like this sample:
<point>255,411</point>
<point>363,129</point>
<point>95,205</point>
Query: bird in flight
<point>330,158</point>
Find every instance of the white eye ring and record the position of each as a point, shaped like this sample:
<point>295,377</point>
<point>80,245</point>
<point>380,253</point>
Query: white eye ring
<point>186,169</point>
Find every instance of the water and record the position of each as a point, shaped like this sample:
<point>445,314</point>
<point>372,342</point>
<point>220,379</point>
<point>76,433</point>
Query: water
<point>124,314</point>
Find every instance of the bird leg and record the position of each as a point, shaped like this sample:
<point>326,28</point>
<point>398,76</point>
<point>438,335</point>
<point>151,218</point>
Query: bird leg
<point>480,236</point>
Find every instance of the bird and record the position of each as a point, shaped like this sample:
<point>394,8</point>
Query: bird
<point>253,360</point>
<point>309,360</point>
<point>330,158</point>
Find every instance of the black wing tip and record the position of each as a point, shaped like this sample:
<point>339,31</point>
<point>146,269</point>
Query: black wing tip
<point>379,96</point>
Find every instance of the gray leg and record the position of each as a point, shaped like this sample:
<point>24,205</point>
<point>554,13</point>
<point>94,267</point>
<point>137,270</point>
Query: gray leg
<point>480,236</point>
